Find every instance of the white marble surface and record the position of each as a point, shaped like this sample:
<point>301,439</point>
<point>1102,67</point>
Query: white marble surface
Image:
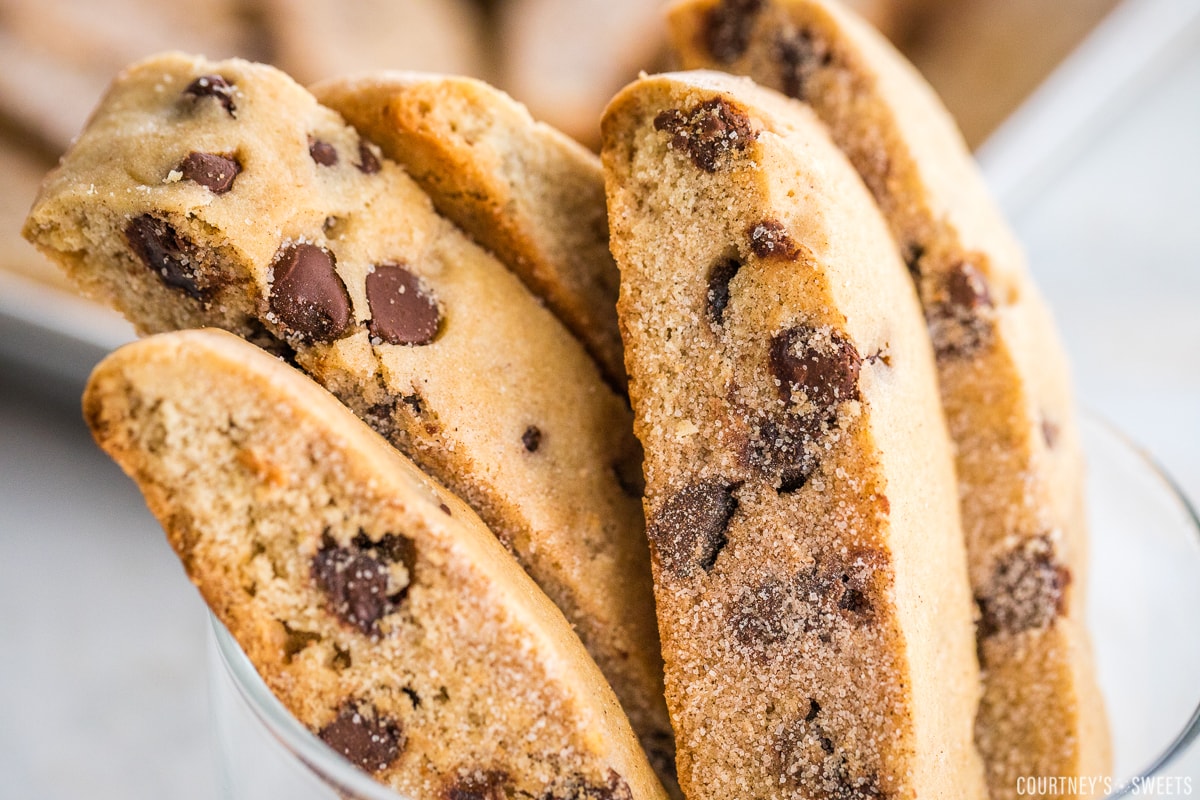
<point>102,687</point>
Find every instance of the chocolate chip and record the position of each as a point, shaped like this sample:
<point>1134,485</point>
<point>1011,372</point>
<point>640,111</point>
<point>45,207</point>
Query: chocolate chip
<point>1050,432</point>
<point>532,438</point>
<point>819,362</point>
<point>402,312</point>
<point>958,315</point>
<point>770,239</point>
<point>799,55</point>
<point>576,787</point>
<point>727,28</point>
<point>708,133</point>
<point>164,251</point>
<point>479,785</point>
<point>364,736</point>
<point>1027,590</point>
<point>412,696</point>
<point>445,509</point>
<point>688,531</point>
<point>777,448</point>
<point>212,171</point>
<point>212,86</point>
<point>368,162</point>
<point>913,253</point>
<point>322,152</point>
<point>766,615</point>
<point>718,288</point>
<point>307,295</point>
<point>810,759</point>
<point>358,584</point>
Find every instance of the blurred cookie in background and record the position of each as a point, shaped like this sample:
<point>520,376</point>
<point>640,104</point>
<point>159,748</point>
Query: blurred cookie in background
<point>23,172</point>
<point>57,56</point>
<point>984,57</point>
<point>317,39</point>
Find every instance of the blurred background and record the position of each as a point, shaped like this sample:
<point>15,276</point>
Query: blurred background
<point>1085,113</point>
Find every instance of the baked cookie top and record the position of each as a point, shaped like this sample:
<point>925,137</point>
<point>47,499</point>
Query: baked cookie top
<point>374,603</point>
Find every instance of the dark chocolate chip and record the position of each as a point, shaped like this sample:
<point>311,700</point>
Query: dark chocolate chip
<point>164,251</point>
<point>307,295</point>
<point>1027,590</point>
<point>718,288</point>
<point>479,785</point>
<point>212,86</point>
<point>322,152</point>
<point>576,787</point>
<point>364,736</point>
<point>212,171</point>
<point>532,438</point>
<point>770,239</point>
<point>913,253</point>
<point>707,133</point>
<point>777,448</point>
<point>402,312</point>
<point>688,530</point>
<point>766,615</point>
<point>1050,432</point>
<point>819,362</point>
<point>728,26</point>
<point>368,162</point>
<point>357,583</point>
<point>959,319</point>
<point>799,55</point>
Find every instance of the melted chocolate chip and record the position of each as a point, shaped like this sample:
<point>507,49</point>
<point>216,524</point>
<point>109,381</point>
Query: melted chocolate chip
<point>402,312</point>
<point>1027,590</point>
<point>164,251</point>
<point>368,162</point>
<point>212,171</point>
<point>819,362</point>
<point>728,26</point>
<point>718,288</point>
<point>576,787</point>
<point>688,531</point>
<point>777,448</point>
<point>811,760</point>
<point>322,153</point>
<point>532,438</point>
<point>799,57</point>
<point>359,587</point>
<point>770,239</point>
<point>708,133</point>
<point>307,295</point>
<point>959,319</point>
<point>212,86</point>
<point>365,737</point>
<point>479,785</point>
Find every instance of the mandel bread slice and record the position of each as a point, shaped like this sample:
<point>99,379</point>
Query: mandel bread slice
<point>222,194</point>
<point>374,603</point>
<point>809,564</point>
<point>526,192</point>
<point>1003,374</point>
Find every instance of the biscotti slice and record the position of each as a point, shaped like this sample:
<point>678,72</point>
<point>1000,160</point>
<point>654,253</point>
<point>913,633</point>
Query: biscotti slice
<point>222,194</point>
<point>374,603</point>
<point>1002,372</point>
<point>528,193</point>
<point>809,566</point>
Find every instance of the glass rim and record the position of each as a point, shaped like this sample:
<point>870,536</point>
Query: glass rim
<point>328,764</point>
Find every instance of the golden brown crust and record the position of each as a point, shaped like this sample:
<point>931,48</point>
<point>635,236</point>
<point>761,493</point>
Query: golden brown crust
<point>524,191</point>
<point>1002,372</point>
<point>809,565</point>
<point>274,495</point>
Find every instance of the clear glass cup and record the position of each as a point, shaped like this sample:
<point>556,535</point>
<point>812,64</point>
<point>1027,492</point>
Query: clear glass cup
<point>1144,611</point>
